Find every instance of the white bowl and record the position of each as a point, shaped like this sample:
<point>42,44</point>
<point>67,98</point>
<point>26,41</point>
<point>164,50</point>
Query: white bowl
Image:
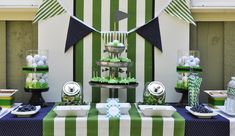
<point>157,110</point>
<point>79,110</point>
<point>25,114</point>
<point>124,108</point>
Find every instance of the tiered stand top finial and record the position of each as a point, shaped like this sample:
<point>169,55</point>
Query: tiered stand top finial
<point>115,45</point>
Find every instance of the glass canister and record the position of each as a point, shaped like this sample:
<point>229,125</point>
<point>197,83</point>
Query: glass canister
<point>230,101</point>
<point>72,94</point>
<point>154,93</point>
<point>36,69</point>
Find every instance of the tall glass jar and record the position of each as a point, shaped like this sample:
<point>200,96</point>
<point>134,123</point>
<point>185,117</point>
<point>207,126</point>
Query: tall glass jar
<point>36,69</point>
<point>230,101</point>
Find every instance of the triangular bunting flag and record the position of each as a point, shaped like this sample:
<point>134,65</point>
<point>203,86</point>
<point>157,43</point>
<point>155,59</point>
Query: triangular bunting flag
<point>151,32</point>
<point>76,32</point>
<point>119,15</point>
<point>48,9</point>
<point>180,9</point>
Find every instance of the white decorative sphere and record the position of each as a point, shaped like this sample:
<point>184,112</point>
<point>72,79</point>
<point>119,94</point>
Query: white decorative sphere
<point>197,60</point>
<point>29,79</point>
<point>40,63</point>
<point>193,64</point>
<point>44,58</point>
<point>34,65</point>
<point>185,78</point>
<point>29,58</point>
<point>37,57</point>
<point>34,81</point>
<point>42,81</point>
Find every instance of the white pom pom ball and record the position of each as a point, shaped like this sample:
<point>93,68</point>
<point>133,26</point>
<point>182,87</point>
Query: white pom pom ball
<point>37,57</point>
<point>42,81</point>
<point>29,80</point>
<point>197,60</point>
<point>34,65</point>
<point>40,63</point>
<point>29,58</point>
<point>44,58</point>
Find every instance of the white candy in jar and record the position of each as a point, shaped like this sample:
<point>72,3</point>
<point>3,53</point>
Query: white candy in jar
<point>34,81</point>
<point>29,58</point>
<point>28,79</point>
<point>37,57</point>
<point>40,63</point>
<point>44,58</point>
<point>185,78</point>
<point>197,60</point>
<point>42,81</point>
<point>34,65</point>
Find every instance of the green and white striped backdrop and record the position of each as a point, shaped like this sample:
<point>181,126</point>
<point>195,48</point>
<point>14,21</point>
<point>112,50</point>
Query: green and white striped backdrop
<point>100,15</point>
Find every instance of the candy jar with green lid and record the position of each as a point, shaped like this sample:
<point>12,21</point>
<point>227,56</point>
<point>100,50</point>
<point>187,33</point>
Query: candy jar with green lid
<point>230,101</point>
<point>154,93</point>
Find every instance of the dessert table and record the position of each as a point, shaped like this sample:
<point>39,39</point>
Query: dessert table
<point>135,124</point>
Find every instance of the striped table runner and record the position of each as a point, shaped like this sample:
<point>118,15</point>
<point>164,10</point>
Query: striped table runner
<point>231,122</point>
<point>133,124</point>
<point>100,15</point>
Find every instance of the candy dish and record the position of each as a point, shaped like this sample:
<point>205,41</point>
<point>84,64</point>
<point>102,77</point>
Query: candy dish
<point>7,92</point>
<point>157,110</point>
<point>26,113</point>
<point>200,115</point>
<point>72,110</point>
<point>115,49</point>
<point>124,108</point>
<point>217,93</point>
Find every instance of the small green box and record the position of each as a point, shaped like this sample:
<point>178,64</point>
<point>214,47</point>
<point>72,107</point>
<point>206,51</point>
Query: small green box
<point>216,101</point>
<point>6,102</point>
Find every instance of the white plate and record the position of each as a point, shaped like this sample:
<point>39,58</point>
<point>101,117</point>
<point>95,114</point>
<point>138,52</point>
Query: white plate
<point>201,115</point>
<point>124,108</point>
<point>157,110</point>
<point>73,111</point>
<point>222,108</point>
<point>13,91</point>
<point>217,93</point>
<point>25,114</point>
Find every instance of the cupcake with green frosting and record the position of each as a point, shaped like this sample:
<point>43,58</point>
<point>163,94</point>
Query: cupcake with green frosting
<point>103,80</point>
<point>124,59</point>
<point>115,60</point>
<point>105,59</point>
<point>113,81</point>
<point>124,81</point>
<point>131,80</point>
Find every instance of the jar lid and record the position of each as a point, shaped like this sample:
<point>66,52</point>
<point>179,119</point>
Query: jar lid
<point>156,88</point>
<point>71,88</point>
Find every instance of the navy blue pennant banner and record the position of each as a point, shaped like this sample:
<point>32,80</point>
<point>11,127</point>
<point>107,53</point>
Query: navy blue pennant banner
<point>151,32</point>
<point>76,32</point>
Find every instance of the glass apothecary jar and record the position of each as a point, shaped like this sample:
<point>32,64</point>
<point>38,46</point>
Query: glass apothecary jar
<point>72,94</point>
<point>36,69</point>
<point>230,101</point>
<point>154,93</point>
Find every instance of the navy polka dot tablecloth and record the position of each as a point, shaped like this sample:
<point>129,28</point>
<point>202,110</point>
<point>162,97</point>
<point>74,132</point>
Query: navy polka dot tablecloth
<point>217,126</point>
<point>10,125</point>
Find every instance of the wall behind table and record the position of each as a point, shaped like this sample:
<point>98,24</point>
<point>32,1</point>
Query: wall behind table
<point>52,36</point>
<point>175,36</point>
